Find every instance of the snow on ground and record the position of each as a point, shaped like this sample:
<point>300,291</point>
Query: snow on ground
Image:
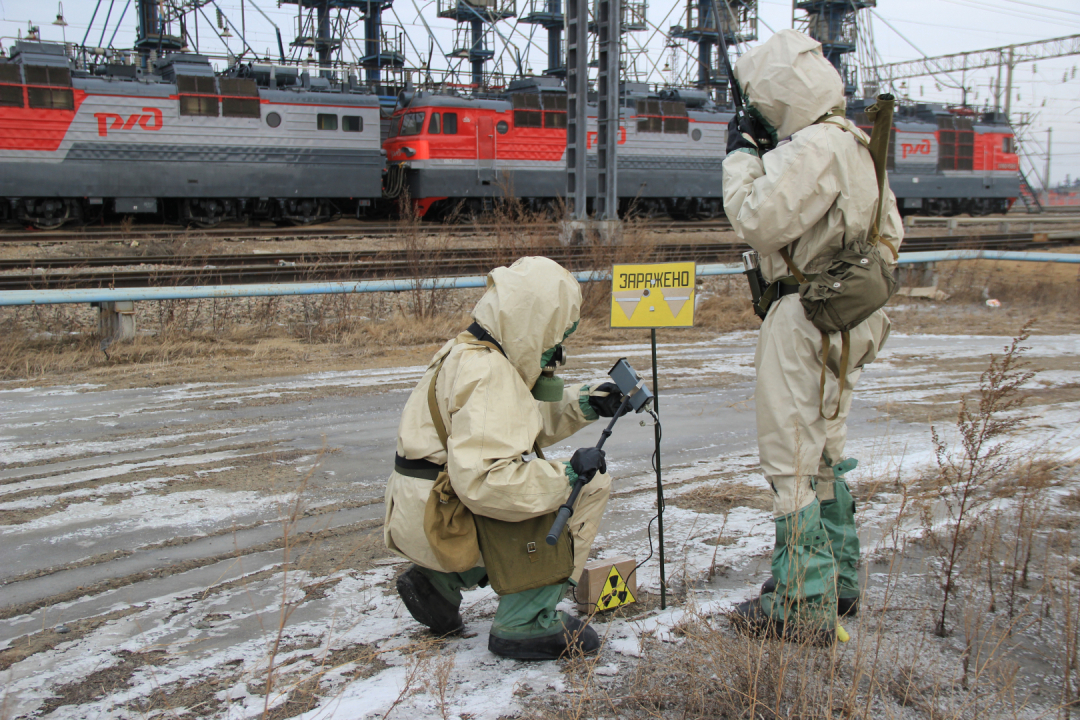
<point>198,641</point>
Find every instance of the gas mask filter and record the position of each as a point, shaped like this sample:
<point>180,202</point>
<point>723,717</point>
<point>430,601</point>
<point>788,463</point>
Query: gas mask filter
<point>549,387</point>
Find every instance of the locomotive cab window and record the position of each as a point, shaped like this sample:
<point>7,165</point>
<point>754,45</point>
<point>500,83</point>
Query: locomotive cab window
<point>449,123</point>
<point>1007,144</point>
<point>352,123</point>
<point>412,123</point>
<point>434,126</point>
<point>327,121</point>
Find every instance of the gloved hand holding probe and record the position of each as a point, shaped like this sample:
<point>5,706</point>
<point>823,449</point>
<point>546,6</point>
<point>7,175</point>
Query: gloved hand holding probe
<point>585,463</point>
<point>605,399</point>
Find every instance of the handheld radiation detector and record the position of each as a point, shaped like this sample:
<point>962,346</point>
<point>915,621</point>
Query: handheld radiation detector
<point>631,385</point>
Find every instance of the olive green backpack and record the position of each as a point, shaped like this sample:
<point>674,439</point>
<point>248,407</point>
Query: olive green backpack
<point>857,281</point>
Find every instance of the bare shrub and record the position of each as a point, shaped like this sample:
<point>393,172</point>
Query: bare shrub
<point>965,476</point>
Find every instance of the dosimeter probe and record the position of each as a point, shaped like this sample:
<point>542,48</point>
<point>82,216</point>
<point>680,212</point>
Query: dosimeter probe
<point>638,397</point>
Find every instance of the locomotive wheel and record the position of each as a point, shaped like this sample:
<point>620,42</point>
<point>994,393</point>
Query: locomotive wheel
<point>48,223</point>
<point>50,220</point>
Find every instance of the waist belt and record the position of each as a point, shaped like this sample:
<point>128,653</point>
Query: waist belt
<point>783,289</point>
<point>420,469</point>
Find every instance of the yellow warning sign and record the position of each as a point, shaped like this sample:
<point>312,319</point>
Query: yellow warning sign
<point>615,592</point>
<point>653,296</point>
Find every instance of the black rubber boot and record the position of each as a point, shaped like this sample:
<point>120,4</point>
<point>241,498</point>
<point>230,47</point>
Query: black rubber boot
<point>427,605</point>
<point>576,637</point>
<point>749,617</point>
<point>845,606</point>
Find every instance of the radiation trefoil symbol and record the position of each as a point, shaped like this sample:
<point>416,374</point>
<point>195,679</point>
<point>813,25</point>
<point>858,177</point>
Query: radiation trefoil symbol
<point>615,592</point>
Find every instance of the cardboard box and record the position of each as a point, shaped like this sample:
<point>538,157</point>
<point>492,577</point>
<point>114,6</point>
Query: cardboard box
<point>607,584</point>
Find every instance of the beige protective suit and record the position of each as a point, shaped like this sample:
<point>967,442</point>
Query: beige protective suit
<point>493,420</point>
<point>807,195</point>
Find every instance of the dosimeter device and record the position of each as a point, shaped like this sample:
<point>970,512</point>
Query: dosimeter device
<point>638,397</point>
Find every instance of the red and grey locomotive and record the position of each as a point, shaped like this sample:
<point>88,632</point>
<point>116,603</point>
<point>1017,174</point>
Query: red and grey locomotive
<point>257,142</point>
<point>463,153</point>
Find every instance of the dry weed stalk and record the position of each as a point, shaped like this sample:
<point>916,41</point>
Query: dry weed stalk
<point>287,606</point>
<point>964,477</point>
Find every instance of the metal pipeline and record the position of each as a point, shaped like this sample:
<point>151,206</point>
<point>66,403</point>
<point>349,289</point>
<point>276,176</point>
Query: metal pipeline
<point>194,292</point>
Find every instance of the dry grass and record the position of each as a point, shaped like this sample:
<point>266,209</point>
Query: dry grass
<point>721,497</point>
<point>726,306</point>
<point>47,343</point>
<point>1048,291</point>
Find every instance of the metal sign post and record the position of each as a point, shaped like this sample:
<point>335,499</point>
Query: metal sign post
<point>654,296</point>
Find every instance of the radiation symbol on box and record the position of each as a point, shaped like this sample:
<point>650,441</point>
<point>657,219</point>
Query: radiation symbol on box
<point>615,592</point>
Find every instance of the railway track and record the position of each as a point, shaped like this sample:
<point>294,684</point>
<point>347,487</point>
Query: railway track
<point>165,271</point>
<point>325,231</point>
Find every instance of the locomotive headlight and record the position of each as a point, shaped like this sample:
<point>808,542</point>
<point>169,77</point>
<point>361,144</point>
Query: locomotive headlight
<point>409,152</point>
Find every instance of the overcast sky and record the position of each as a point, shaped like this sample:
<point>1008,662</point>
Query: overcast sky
<point>1047,91</point>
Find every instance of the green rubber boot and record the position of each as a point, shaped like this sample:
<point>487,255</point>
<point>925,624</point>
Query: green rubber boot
<point>805,573</point>
<point>838,517</point>
<point>528,627</point>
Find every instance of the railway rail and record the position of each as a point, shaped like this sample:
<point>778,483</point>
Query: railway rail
<point>164,271</point>
<point>372,229</point>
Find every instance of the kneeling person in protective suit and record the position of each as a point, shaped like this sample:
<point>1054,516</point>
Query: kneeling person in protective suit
<point>461,493</point>
<point>808,198</point>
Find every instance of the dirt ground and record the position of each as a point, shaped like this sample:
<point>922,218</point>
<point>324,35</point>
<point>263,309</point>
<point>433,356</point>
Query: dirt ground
<point>210,495</point>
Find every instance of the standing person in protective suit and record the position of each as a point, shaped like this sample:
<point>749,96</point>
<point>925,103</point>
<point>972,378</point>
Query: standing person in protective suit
<point>495,399</point>
<point>808,197</point>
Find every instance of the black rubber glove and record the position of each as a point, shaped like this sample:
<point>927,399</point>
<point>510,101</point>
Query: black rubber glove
<point>606,405</point>
<point>586,462</point>
<point>739,134</point>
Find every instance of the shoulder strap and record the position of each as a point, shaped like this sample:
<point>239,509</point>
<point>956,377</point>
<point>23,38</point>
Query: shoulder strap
<point>881,113</point>
<point>791,266</point>
<point>433,403</point>
<point>845,352</point>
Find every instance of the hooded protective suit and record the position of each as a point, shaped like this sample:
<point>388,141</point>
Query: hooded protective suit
<point>492,420</point>
<point>807,195</point>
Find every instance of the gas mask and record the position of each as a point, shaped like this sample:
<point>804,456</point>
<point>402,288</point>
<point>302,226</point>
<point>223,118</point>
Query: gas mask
<point>549,387</point>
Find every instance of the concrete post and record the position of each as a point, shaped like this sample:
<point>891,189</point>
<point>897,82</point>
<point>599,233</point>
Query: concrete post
<point>116,322</point>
